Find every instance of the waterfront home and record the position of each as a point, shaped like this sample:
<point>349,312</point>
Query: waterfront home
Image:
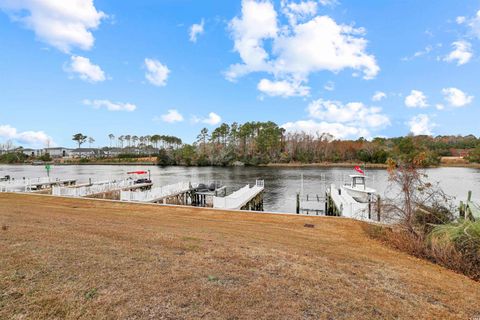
<point>58,152</point>
<point>31,152</point>
<point>112,152</point>
<point>86,153</point>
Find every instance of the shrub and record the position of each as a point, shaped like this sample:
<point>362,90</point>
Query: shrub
<point>457,245</point>
<point>13,157</point>
<point>46,157</point>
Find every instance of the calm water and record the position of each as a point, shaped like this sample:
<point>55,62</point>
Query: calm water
<point>281,183</point>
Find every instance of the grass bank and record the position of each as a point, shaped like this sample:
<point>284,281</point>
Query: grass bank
<point>75,258</point>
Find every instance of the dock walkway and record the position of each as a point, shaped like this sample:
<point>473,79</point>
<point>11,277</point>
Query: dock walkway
<point>157,194</point>
<point>240,198</point>
<point>98,188</point>
<point>30,185</point>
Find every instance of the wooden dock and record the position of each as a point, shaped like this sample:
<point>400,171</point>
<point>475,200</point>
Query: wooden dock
<point>470,209</point>
<point>34,185</point>
<point>102,190</point>
<point>180,191</point>
<point>246,198</point>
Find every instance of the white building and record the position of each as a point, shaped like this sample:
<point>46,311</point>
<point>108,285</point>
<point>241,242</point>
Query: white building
<point>86,153</point>
<point>58,152</point>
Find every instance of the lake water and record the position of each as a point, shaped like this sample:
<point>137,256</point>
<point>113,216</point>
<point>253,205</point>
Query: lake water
<point>281,184</point>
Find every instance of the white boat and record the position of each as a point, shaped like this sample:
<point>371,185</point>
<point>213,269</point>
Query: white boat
<point>354,200</point>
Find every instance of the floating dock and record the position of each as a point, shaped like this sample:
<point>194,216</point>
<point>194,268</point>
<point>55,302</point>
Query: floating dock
<point>201,195</point>
<point>34,185</point>
<point>103,189</point>
<point>182,193</point>
<point>159,194</point>
<point>246,198</point>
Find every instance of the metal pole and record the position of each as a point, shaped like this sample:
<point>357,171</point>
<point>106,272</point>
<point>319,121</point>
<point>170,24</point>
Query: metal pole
<point>301,189</point>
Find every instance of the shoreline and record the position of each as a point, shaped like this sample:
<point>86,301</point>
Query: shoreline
<point>269,165</point>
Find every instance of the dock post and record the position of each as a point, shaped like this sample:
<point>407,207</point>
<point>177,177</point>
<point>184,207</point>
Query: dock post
<point>298,203</point>
<point>379,207</point>
<point>461,210</point>
<point>326,203</point>
<point>370,208</point>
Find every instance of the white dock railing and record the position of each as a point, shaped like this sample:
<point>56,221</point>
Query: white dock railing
<point>156,194</point>
<point>13,186</point>
<point>99,187</point>
<point>239,198</point>
<point>25,185</point>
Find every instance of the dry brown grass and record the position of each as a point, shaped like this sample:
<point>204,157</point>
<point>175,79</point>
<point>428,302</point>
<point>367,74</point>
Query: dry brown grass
<point>464,261</point>
<point>453,160</point>
<point>68,258</point>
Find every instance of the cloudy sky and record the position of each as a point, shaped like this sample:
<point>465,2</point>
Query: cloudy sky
<point>350,68</point>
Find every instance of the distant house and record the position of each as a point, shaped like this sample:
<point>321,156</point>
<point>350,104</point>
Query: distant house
<point>31,152</point>
<point>86,153</point>
<point>112,152</point>
<point>58,152</point>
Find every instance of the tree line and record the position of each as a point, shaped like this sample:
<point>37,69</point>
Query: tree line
<point>256,143</point>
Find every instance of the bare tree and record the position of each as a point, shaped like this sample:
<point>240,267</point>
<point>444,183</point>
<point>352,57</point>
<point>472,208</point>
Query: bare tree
<point>90,141</point>
<point>414,198</point>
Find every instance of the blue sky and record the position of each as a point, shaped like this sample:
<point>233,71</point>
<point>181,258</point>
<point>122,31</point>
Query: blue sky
<point>136,67</point>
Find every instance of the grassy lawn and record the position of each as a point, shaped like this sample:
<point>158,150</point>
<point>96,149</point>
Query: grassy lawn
<point>68,258</point>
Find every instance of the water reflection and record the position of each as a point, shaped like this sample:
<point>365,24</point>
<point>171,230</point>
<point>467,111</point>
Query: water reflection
<point>281,183</point>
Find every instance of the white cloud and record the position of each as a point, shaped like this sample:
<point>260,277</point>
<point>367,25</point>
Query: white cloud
<point>282,88</point>
<point>110,106</point>
<point>157,73</point>
<point>85,69</point>
<point>460,19</point>
<point>424,52</point>
<point>64,24</point>
<point>462,52</point>
<point>297,49</point>
<point>27,138</point>
<point>258,23</point>
<point>328,2</point>
<point>322,44</point>
<point>338,130</point>
<point>329,86</point>
<point>172,116</point>
<point>351,120</point>
<point>421,125</point>
<point>196,30</point>
<point>299,11</point>
<point>352,113</point>
<point>456,97</point>
<point>378,96</point>
<point>439,106</point>
<point>212,119</point>
<point>474,24</point>
<point>416,99</point>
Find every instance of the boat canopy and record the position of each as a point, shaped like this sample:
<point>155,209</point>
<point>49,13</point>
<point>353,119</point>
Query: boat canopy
<point>137,172</point>
<point>357,176</point>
